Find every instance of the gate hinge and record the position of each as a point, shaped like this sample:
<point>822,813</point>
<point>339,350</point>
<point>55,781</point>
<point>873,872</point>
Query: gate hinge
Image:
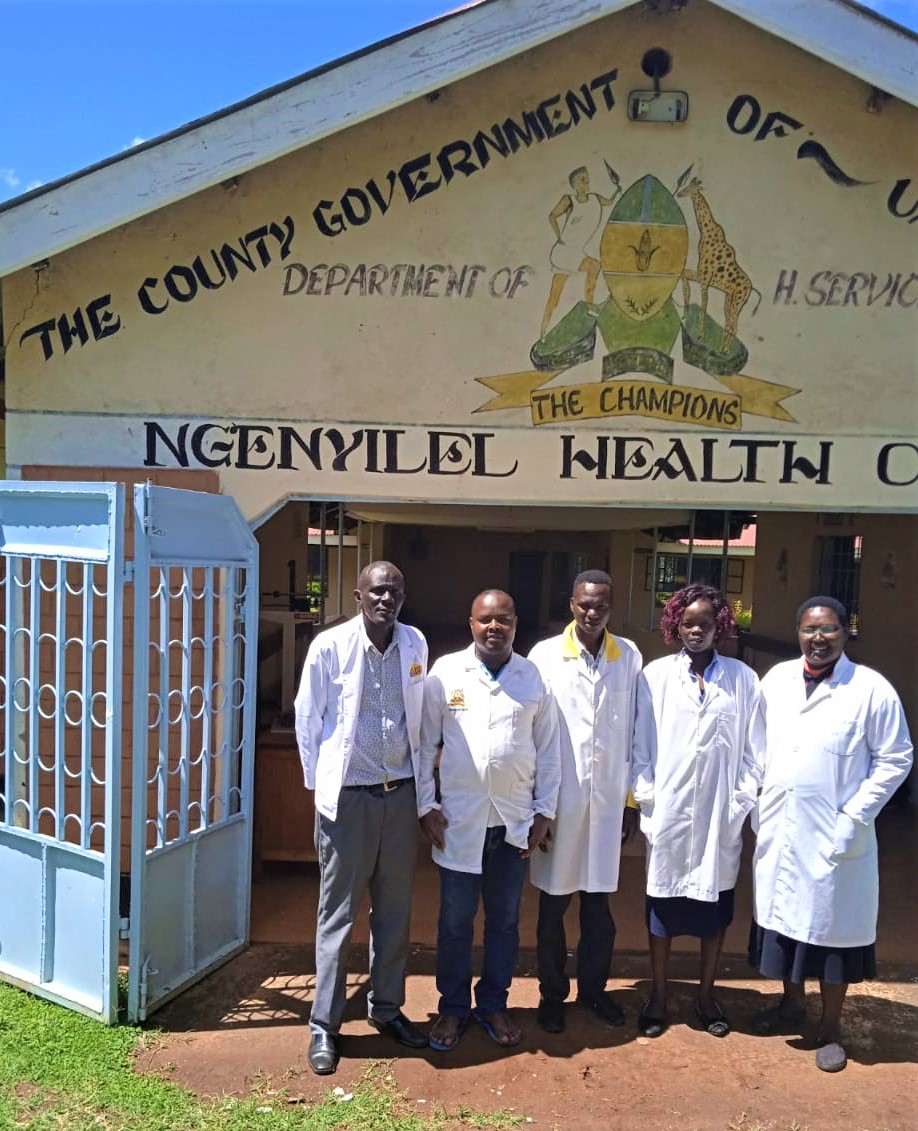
<point>124,929</point>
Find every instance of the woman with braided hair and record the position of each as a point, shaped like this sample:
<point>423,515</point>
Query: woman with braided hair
<point>695,781</point>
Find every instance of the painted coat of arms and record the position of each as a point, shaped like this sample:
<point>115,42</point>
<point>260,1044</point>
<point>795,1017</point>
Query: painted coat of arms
<point>637,241</point>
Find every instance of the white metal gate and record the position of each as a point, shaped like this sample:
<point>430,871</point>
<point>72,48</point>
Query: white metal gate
<point>195,654</point>
<point>64,676</point>
<point>62,580</point>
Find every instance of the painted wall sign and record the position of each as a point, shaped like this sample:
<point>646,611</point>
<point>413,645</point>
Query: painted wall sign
<point>419,176</point>
<point>440,304</point>
<point>261,460</point>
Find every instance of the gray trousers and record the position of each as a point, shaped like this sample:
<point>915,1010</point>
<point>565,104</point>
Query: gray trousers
<point>371,846</point>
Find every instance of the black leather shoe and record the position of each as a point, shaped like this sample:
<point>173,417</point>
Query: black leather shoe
<point>605,1008</point>
<point>550,1014</point>
<point>401,1030</point>
<point>323,1053</point>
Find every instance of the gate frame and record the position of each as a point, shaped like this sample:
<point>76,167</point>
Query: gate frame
<point>76,541</point>
<point>220,525</point>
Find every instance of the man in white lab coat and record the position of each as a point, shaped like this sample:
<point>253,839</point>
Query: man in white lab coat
<point>838,748</point>
<point>499,775</point>
<point>358,717</point>
<point>594,677</point>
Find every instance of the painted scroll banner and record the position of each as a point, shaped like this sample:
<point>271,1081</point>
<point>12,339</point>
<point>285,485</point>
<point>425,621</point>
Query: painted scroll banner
<point>626,397</point>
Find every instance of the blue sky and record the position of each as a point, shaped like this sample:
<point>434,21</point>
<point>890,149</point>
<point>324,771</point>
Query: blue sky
<point>81,80</point>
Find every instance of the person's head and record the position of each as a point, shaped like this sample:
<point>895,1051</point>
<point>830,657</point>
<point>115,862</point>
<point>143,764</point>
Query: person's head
<point>579,178</point>
<point>380,594</point>
<point>493,625</point>
<point>822,630</point>
<point>591,605</point>
<point>697,616</point>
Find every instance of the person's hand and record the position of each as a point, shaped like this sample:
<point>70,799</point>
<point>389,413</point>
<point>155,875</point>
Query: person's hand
<point>629,823</point>
<point>539,835</point>
<point>433,825</point>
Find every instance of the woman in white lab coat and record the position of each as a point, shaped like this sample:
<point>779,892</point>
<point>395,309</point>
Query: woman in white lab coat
<point>838,748</point>
<point>695,782</point>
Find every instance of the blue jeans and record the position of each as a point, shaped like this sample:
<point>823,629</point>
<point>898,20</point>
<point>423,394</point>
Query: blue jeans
<point>500,886</point>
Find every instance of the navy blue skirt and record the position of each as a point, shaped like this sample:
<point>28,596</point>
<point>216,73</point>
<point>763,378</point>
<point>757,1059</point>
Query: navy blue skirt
<point>667,918</point>
<point>787,960</point>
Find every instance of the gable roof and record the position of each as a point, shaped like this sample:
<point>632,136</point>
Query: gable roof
<point>360,86</point>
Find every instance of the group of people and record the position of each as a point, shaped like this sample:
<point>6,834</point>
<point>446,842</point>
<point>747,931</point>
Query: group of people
<point>547,764</point>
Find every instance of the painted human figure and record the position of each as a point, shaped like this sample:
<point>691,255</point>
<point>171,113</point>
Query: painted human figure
<point>358,719</point>
<point>499,771</point>
<point>576,221</point>
<point>838,748</point>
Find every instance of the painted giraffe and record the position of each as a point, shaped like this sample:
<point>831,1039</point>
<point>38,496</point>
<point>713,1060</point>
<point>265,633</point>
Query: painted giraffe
<point>717,267</point>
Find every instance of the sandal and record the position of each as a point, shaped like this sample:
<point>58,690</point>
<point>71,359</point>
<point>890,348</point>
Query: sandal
<point>503,1042</point>
<point>651,1026</point>
<point>778,1019</point>
<point>448,1046</point>
<point>714,1023</point>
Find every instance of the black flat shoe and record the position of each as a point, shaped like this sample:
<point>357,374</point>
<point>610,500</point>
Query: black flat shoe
<point>714,1023</point>
<point>323,1053</point>
<point>550,1014</point>
<point>779,1018</point>
<point>606,1008</point>
<point>400,1029</point>
<point>651,1026</point>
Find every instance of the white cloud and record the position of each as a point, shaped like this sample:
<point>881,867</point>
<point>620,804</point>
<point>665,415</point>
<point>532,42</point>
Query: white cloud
<point>135,141</point>
<point>11,184</point>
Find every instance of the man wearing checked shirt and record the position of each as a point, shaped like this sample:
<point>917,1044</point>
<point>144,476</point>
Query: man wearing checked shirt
<point>358,715</point>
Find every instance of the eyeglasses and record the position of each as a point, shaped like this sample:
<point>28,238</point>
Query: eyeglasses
<point>822,629</point>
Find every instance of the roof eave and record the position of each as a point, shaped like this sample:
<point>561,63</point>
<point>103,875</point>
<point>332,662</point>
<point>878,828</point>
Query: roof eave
<point>848,36</point>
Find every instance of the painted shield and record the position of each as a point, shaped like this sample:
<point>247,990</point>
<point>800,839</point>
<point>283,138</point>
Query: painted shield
<point>644,247</point>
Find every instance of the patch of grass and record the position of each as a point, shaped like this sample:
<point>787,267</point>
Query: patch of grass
<point>60,1071</point>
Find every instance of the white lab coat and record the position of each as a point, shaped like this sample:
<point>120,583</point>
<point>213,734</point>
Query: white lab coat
<point>831,764</point>
<point>596,709</point>
<point>328,702</point>
<point>500,748</point>
<point>698,777</point>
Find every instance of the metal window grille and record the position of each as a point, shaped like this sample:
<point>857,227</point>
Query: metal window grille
<point>838,573</point>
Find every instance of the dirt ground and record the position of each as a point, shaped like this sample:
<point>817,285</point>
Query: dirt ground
<point>243,1028</point>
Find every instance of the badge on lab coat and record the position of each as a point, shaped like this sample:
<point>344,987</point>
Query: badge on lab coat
<point>456,701</point>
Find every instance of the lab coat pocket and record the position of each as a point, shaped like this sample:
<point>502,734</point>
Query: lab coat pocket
<point>842,739</point>
<point>852,839</point>
<point>617,710</point>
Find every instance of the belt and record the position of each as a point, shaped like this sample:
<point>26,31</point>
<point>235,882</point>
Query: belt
<point>379,788</point>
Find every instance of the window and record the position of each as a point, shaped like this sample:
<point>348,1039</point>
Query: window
<point>564,568</point>
<point>672,571</point>
<point>838,572</point>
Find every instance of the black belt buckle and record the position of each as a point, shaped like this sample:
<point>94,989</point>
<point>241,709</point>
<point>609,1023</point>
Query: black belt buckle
<point>388,787</point>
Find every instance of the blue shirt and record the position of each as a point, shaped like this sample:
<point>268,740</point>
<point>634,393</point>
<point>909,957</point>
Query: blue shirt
<point>381,752</point>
